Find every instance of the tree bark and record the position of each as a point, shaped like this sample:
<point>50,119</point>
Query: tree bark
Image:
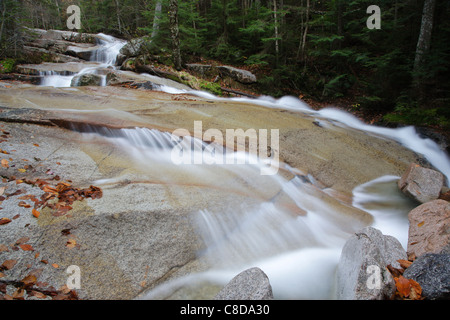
<point>305,32</point>
<point>118,15</point>
<point>424,41</point>
<point>3,8</point>
<point>157,18</point>
<point>275,16</point>
<point>174,31</point>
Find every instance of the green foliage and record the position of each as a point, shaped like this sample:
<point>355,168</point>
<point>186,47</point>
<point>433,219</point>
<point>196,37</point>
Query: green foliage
<point>414,115</point>
<point>7,65</point>
<point>212,87</point>
<point>324,51</point>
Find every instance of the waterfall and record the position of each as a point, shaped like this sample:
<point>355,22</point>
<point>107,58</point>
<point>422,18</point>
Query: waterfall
<point>108,51</point>
<point>295,235</point>
<point>106,56</point>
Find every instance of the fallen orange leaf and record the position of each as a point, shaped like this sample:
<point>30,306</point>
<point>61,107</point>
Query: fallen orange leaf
<point>29,280</point>
<point>26,247</point>
<point>8,264</point>
<point>71,243</point>
<point>4,221</point>
<point>5,163</point>
<point>35,213</point>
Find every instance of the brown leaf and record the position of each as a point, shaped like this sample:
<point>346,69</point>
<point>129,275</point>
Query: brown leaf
<point>5,163</point>
<point>394,271</point>
<point>403,286</point>
<point>9,264</point>
<point>71,243</point>
<point>416,290</point>
<point>23,204</point>
<point>404,263</point>
<point>29,280</point>
<point>26,247</point>
<point>39,295</point>
<point>4,221</point>
<point>3,248</point>
<point>408,288</point>
<point>35,213</point>
<point>18,294</point>
<point>55,265</point>
<point>49,189</point>
<point>22,240</point>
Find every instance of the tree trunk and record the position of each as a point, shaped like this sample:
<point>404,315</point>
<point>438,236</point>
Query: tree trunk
<point>2,27</point>
<point>118,16</point>
<point>423,43</point>
<point>174,31</point>
<point>275,16</point>
<point>305,32</point>
<point>157,18</point>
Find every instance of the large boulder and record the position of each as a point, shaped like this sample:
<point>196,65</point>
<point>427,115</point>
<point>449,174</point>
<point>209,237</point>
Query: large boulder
<point>251,284</point>
<point>88,79</point>
<point>429,228</point>
<point>421,184</point>
<point>203,70</point>
<point>239,75</point>
<point>432,272</point>
<point>81,51</point>
<point>136,47</point>
<point>362,272</point>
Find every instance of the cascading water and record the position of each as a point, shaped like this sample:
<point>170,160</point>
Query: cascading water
<point>105,55</point>
<point>288,241</point>
<point>295,236</point>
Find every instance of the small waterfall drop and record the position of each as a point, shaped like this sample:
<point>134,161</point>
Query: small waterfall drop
<point>105,55</point>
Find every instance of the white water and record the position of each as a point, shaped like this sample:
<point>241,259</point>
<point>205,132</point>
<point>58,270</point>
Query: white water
<point>299,253</point>
<point>289,247</point>
<point>328,117</point>
<point>106,55</point>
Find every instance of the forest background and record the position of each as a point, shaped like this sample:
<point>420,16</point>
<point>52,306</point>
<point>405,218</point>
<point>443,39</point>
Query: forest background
<point>317,50</point>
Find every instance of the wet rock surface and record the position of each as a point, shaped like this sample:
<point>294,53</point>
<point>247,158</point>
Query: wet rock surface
<point>251,284</point>
<point>432,272</point>
<point>362,272</point>
<point>429,228</point>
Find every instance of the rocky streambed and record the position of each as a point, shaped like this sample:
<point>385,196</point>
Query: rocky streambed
<point>161,230</point>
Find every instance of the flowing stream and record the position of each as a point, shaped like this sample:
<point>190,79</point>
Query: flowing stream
<point>296,235</point>
<point>106,55</point>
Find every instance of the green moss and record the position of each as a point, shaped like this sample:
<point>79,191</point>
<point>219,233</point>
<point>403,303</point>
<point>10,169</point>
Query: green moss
<point>212,87</point>
<point>199,84</point>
